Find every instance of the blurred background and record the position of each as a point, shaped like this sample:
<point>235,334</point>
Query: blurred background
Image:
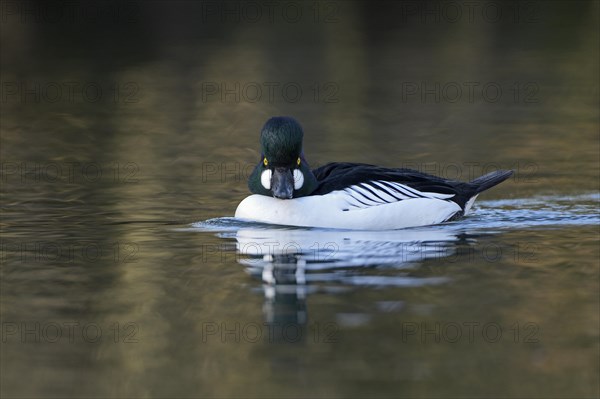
<point>122,123</point>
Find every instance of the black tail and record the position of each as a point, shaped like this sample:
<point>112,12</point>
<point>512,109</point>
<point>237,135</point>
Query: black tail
<point>482,183</point>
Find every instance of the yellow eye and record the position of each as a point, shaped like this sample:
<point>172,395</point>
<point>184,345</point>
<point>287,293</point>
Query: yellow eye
<point>298,161</point>
<point>265,162</point>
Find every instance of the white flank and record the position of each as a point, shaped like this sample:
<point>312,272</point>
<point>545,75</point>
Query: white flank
<point>358,208</point>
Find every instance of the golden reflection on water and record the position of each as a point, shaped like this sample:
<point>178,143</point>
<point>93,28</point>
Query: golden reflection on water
<point>172,154</point>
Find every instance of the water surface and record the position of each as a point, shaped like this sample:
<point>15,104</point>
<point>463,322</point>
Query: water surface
<point>124,275</point>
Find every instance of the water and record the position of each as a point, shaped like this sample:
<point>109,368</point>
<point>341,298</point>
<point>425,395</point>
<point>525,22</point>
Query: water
<point>124,274</point>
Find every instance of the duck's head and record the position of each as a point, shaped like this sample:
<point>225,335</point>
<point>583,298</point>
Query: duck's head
<point>282,171</point>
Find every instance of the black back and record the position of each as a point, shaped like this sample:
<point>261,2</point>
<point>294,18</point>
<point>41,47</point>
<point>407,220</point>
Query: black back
<point>340,175</point>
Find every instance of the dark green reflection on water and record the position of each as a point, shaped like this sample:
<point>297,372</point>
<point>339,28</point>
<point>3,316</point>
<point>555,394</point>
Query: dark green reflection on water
<point>98,194</point>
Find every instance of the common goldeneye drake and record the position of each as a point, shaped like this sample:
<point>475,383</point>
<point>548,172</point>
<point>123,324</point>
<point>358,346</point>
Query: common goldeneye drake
<point>348,195</point>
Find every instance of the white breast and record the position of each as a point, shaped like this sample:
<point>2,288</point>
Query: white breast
<point>341,210</point>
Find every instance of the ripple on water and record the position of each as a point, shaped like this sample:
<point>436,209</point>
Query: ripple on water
<point>285,255</point>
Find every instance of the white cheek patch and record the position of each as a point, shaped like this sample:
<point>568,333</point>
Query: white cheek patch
<point>265,179</point>
<point>298,179</point>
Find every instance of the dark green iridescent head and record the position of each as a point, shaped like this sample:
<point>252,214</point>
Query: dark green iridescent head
<point>281,140</point>
<point>282,171</point>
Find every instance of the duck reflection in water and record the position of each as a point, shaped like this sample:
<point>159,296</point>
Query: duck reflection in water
<point>294,262</point>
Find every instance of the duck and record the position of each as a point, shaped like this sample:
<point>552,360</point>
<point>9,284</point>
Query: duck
<point>352,196</point>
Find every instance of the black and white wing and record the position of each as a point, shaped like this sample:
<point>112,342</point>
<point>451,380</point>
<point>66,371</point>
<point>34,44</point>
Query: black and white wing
<point>369,185</point>
<point>379,192</point>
